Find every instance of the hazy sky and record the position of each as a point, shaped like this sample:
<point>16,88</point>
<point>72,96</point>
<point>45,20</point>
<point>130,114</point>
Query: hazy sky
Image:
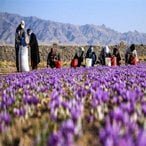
<point>121,15</point>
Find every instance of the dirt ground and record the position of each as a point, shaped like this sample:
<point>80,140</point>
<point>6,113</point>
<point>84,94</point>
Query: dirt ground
<point>7,67</point>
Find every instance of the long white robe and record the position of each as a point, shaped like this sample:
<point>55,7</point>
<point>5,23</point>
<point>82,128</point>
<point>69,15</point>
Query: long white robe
<point>23,59</point>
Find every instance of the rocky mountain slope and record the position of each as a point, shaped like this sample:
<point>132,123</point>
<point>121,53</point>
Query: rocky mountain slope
<point>49,31</point>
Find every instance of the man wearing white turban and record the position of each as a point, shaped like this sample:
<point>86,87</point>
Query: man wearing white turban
<point>18,36</point>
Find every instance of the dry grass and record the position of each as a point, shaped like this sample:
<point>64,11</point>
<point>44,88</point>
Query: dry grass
<point>7,67</point>
<point>25,131</point>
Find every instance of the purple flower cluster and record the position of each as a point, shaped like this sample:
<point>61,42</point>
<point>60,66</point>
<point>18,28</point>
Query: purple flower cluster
<point>5,120</point>
<point>115,97</point>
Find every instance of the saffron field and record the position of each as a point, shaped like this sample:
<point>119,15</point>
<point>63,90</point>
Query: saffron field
<point>96,106</point>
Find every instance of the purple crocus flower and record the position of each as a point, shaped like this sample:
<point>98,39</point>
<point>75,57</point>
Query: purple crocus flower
<point>54,139</point>
<point>125,141</point>
<point>5,117</point>
<point>68,127</point>
<point>141,140</point>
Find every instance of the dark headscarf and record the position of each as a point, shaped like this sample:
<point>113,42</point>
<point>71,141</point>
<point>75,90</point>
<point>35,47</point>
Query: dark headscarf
<point>132,47</point>
<point>115,51</point>
<point>89,52</point>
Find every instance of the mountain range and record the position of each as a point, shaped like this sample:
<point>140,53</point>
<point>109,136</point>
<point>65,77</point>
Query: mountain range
<point>48,32</point>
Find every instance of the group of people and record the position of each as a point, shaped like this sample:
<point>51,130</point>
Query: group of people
<point>80,54</point>
<point>25,41</point>
<point>106,53</point>
<point>106,56</point>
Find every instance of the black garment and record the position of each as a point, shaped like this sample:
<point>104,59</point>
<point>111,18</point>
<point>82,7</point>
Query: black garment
<point>80,58</point>
<point>116,53</point>
<point>76,56</point>
<point>20,32</point>
<point>89,53</point>
<point>93,58</point>
<point>51,59</point>
<point>118,56</point>
<point>34,50</point>
<point>102,57</point>
<point>130,57</point>
<point>129,54</point>
<point>92,55</point>
<point>17,56</point>
<point>127,58</point>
